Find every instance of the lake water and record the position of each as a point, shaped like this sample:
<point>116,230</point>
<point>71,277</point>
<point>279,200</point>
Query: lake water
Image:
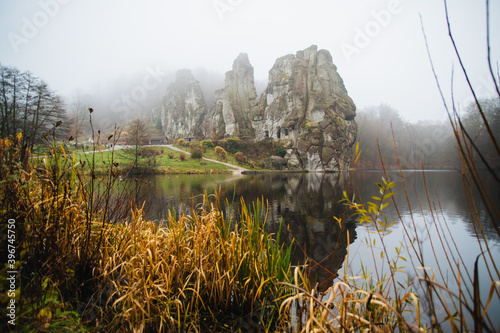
<point>432,216</point>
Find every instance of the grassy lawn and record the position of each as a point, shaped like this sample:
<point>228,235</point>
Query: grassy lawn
<point>168,161</point>
<point>147,154</point>
<point>164,160</point>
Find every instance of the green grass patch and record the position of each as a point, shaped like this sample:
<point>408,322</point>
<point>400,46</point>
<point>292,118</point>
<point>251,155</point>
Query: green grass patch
<point>150,160</point>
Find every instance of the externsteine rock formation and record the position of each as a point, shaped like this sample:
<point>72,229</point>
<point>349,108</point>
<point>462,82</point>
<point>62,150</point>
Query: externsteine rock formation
<point>183,109</point>
<point>232,113</point>
<point>307,105</point>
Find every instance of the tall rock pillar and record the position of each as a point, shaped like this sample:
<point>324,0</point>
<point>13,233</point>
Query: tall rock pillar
<point>307,105</point>
<point>183,108</point>
<point>232,113</point>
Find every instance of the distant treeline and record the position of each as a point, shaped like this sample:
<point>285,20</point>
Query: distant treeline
<point>429,143</point>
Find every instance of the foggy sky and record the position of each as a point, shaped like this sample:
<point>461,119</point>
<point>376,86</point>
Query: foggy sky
<point>377,45</point>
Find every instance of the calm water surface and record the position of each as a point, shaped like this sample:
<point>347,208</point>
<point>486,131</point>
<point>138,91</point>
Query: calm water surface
<point>435,215</point>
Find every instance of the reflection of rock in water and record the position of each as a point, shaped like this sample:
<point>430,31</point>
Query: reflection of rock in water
<point>318,236</point>
<point>308,204</point>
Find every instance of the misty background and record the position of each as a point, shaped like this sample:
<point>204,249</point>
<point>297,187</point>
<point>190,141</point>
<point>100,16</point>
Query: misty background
<point>106,54</point>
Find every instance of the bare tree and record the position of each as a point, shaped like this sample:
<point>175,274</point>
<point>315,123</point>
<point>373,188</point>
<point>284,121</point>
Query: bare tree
<point>78,118</point>
<point>28,105</point>
<point>137,136</point>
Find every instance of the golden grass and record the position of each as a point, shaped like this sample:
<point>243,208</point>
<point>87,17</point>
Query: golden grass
<point>194,269</point>
<point>348,307</point>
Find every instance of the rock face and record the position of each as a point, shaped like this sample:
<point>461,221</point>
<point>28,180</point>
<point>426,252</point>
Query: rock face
<point>307,105</point>
<point>183,109</point>
<point>232,113</point>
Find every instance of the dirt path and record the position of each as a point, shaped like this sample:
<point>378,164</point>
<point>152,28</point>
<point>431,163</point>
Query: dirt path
<point>237,169</point>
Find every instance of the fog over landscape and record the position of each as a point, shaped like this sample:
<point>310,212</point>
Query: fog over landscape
<point>105,50</point>
<point>250,166</point>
